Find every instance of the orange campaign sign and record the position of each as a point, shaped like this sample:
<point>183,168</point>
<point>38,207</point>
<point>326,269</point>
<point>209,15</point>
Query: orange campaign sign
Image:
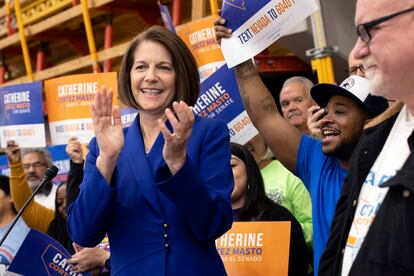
<point>256,248</point>
<point>68,104</point>
<point>199,36</point>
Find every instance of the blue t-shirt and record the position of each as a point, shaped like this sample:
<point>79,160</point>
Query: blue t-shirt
<point>323,177</point>
<point>13,241</point>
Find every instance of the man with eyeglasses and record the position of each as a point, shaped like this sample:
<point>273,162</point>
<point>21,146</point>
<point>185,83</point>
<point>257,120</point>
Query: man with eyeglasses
<point>321,165</point>
<point>372,231</point>
<point>35,162</point>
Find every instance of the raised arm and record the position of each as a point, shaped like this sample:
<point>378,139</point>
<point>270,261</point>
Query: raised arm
<point>202,187</point>
<point>282,138</point>
<point>75,175</point>
<point>36,215</point>
<point>89,215</point>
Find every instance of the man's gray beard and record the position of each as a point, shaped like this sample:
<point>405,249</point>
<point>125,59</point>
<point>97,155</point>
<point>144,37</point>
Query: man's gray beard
<point>33,184</point>
<point>377,86</point>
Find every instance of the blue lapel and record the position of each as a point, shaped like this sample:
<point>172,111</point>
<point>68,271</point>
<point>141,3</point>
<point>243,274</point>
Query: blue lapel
<point>143,167</point>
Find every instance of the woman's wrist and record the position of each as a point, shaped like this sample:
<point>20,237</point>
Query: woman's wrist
<point>175,165</point>
<point>106,167</point>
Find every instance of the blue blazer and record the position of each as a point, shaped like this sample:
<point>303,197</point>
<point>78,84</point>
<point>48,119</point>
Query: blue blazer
<point>159,224</point>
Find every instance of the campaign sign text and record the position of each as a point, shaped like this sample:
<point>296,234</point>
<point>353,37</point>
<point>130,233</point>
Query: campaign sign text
<point>257,24</point>
<point>256,248</point>
<point>21,115</point>
<point>219,99</point>
<point>68,101</point>
<point>42,255</point>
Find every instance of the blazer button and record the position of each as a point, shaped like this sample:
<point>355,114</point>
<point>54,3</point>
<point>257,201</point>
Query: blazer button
<point>165,225</point>
<point>406,193</point>
<point>354,203</point>
<point>167,246</point>
<point>165,236</point>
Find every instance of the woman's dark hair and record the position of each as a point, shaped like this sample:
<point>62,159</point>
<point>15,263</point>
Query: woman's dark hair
<point>187,79</point>
<point>256,202</point>
<point>57,227</point>
<point>5,186</point>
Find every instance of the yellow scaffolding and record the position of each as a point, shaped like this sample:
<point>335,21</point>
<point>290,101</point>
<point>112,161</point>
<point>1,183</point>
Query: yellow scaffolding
<point>324,68</point>
<point>23,42</point>
<point>214,7</point>
<point>321,54</point>
<point>89,35</point>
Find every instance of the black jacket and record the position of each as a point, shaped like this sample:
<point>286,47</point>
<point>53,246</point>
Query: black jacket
<point>388,248</point>
<point>75,177</point>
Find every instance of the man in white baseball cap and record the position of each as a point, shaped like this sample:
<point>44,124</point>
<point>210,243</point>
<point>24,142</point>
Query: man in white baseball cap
<point>354,87</point>
<point>342,103</point>
<point>321,165</point>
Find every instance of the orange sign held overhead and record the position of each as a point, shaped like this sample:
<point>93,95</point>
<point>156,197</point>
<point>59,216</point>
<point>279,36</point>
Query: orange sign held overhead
<point>199,36</point>
<point>256,248</point>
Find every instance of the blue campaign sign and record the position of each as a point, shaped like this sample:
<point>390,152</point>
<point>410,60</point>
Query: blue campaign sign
<point>219,96</point>
<point>21,115</point>
<point>237,12</point>
<point>219,99</point>
<point>21,104</point>
<point>4,165</point>
<point>42,255</point>
<point>60,159</point>
<point>128,115</point>
<point>166,17</point>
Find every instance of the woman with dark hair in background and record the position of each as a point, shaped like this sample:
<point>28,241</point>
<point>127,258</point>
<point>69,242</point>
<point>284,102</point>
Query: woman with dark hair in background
<point>155,187</point>
<point>57,227</point>
<point>250,203</point>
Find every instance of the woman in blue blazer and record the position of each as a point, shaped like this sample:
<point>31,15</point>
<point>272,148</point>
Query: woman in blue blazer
<point>161,188</point>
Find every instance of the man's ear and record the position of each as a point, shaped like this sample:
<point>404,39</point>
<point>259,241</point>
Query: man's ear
<point>10,199</point>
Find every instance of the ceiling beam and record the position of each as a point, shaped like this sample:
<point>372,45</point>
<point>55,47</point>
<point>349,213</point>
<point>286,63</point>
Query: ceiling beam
<point>51,22</point>
<point>73,65</point>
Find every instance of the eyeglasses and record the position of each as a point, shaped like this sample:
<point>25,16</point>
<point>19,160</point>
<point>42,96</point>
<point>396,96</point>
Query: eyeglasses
<point>354,70</point>
<point>363,29</point>
<point>36,165</point>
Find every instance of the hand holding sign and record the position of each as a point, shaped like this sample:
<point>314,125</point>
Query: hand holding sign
<point>221,30</point>
<point>74,150</point>
<point>257,24</point>
<point>13,152</point>
<point>88,259</point>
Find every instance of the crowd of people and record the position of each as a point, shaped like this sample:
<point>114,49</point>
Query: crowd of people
<point>335,162</point>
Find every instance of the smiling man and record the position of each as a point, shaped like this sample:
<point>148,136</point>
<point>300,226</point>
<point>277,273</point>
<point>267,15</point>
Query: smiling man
<point>347,108</point>
<point>372,229</point>
<point>321,166</point>
<point>35,163</point>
